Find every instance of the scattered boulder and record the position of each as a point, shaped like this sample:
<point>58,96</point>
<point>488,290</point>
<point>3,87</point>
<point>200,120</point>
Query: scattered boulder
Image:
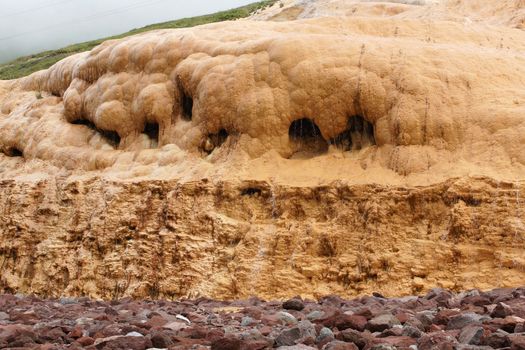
<point>437,340</point>
<point>288,337</point>
<point>497,340</point>
<point>287,317</point>
<point>226,343</point>
<point>461,320</point>
<point>352,336</point>
<point>123,342</point>
<point>471,335</point>
<point>324,333</point>
<point>501,310</point>
<point>518,342</point>
<point>293,304</point>
<point>382,322</point>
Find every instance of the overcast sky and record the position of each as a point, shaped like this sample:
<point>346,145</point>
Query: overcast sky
<point>31,26</point>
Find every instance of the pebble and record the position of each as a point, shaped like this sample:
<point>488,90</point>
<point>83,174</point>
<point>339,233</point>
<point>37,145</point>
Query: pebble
<point>246,321</point>
<point>293,304</point>
<point>324,333</point>
<point>182,318</point>
<point>134,334</point>
<point>286,317</point>
<point>314,315</point>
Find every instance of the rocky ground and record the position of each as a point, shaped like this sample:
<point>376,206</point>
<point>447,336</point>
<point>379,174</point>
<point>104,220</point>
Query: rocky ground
<point>438,320</point>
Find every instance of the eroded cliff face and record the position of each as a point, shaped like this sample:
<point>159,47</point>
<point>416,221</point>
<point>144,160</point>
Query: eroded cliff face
<point>377,150</point>
<point>230,240</point>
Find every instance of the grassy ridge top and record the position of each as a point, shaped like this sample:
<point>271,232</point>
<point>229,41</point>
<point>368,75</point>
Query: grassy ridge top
<point>28,64</point>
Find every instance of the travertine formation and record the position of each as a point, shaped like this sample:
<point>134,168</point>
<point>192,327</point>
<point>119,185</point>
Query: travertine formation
<point>378,149</point>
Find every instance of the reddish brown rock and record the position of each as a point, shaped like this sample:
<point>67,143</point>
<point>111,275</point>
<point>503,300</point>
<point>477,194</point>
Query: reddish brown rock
<point>501,310</point>
<point>123,343</point>
<point>443,316</point>
<point>517,342</point>
<point>356,337</point>
<point>226,343</point>
<point>343,321</point>
<point>13,332</point>
<point>437,341</point>
<point>85,341</point>
<point>382,322</point>
<point>255,345</point>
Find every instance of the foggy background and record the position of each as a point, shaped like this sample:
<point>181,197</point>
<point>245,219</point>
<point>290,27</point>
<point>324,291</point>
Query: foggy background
<point>32,26</point>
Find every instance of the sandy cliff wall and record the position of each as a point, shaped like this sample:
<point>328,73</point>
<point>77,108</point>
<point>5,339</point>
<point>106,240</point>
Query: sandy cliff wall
<point>229,240</point>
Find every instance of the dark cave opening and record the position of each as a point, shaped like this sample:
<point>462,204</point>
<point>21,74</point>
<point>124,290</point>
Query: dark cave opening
<point>152,130</point>
<point>306,136</point>
<point>13,152</point>
<point>187,106</point>
<point>251,191</point>
<point>111,137</point>
<point>359,134</point>
<point>221,137</point>
<point>215,140</point>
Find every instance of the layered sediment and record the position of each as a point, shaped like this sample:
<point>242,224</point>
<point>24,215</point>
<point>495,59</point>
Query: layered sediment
<point>169,239</point>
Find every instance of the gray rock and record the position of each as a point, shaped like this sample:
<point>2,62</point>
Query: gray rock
<point>469,293</point>
<point>414,322</point>
<point>340,345</point>
<point>307,329</point>
<point>411,332</point>
<point>407,299</point>
<point>426,317</point>
<point>84,321</point>
<point>252,334</point>
<point>288,337</point>
<point>471,347</point>
<point>463,320</point>
<point>382,322</point>
<point>4,316</point>
<point>324,333</point>
<point>471,335</point>
<point>67,301</point>
<point>314,315</point>
<point>296,347</point>
<point>383,347</point>
<point>286,317</point>
<point>246,321</point>
<point>229,330</point>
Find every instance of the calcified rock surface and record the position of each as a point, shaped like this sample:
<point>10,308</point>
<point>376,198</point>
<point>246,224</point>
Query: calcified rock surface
<point>379,151</point>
